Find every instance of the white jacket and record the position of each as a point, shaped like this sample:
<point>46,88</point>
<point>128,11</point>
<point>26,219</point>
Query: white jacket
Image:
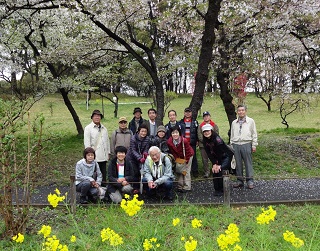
<point>98,139</point>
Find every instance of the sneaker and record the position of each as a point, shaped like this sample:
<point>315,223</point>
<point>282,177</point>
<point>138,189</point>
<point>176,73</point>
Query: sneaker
<point>206,176</point>
<point>250,186</point>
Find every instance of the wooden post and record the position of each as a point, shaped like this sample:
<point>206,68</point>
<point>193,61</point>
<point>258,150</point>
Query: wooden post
<point>226,188</point>
<point>73,194</point>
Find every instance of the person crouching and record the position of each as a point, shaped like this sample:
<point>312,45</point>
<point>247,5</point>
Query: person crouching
<point>88,177</point>
<point>157,173</point>
<point>120,173</point>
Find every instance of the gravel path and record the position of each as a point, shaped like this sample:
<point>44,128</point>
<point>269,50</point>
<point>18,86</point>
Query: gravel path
<point>265,191</point>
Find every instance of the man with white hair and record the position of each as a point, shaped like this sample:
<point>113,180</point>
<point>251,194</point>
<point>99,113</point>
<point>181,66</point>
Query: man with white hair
<point>157,173</point>
<point>244,140</point>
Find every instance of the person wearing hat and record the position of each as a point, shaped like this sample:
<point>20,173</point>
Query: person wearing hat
<point>153,124</point>
<point>160,140</point>
<point>96,136</point>
<point>190,133</point>
<point>219,154</point>
<point>121,136</point>
<point>205,159</point>
<point>136,121</point>
<point>244,140</point>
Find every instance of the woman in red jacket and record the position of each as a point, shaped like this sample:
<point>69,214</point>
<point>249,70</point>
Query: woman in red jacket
<point>180,148</point>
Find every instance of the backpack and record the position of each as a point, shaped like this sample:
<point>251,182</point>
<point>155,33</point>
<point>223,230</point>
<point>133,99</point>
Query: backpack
<point>172,160</point>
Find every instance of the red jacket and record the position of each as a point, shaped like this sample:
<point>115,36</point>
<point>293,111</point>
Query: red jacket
<point>177,151</point>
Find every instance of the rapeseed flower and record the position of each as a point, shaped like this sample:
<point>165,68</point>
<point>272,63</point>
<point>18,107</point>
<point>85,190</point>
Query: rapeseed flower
<point>111,236</point>
<point>19,238</point>
<point>54,199</point>
<point>230,237</point>
<point>131,207</point>
<point>190,244</point>
<point>175,222</point>
<point>290,237</point>
<point>149,244</point>
<point>45,230</point>
<point>73,238</point>
<point>196,223</point>
<point>266,216</point>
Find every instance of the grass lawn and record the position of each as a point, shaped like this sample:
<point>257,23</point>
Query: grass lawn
<point>280,154</point>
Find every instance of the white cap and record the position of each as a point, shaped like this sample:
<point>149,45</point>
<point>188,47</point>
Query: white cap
<point>206,127</point>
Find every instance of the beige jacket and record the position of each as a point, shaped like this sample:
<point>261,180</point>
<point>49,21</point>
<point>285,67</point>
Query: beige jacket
<point>247,134</point>
<point>98,139</point>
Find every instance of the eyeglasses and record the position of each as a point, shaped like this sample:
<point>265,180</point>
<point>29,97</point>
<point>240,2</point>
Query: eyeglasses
<point>123,122</point>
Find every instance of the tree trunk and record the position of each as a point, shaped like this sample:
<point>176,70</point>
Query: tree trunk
<point>205,57</point>
<point>73,112</point>
<point>223,76</point>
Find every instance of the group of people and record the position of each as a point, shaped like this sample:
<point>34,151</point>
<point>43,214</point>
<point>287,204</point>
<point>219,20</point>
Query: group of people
<point>145,155</point>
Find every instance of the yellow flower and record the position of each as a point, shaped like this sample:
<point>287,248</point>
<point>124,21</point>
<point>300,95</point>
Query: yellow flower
<point>196,223</point>
<point>290,237</point>
<point>57,191</point>
<point>182,238</point>
<point>175,222</point>
<point>266,216</point>
<point>19,238</point>
<point>147,244</point>
<point>111,236</point>
<point>54,199</point>
<point>45,230</point>
<point>230,237</point>
<point>191,244</point>
<point>131,207</point>
<point>73,238</point>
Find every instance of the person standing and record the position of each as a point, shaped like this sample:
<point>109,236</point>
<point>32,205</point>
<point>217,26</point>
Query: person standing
<point>205,160</point>
<point>219,154</point>
<point>136,121</point>
<point>96,136</point>
<point>244,140</point>
<point>181,150</point>
<point>120,174</point>
<point>157,173</point>
<point>120,136</point>
<point>172,114</point>
<point>191,128</point>
<point>153,124</point>
<point>138,152</point>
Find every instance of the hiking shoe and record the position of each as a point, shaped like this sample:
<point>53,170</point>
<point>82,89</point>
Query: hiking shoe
<point>237,185</point>
<point>83,200</point>
<point>250,186</point>
<point>218,193</point>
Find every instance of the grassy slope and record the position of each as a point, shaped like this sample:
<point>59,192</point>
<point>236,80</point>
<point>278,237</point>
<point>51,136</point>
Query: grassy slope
<point>280,152</point>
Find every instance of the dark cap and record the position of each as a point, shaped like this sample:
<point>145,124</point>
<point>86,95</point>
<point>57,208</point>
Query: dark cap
<point>188,109</point>
<point>96,112</point>
<point>137,109</point>
<point>206,113</point>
